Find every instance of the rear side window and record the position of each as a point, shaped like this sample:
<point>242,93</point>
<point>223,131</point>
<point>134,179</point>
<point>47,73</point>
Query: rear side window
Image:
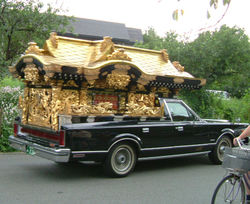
<point>179,112</point>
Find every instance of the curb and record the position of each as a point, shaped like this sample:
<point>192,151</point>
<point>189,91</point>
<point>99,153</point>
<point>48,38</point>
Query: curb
<point>11,153</point>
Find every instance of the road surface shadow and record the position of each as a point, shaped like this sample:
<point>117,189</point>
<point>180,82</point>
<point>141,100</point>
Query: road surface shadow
<point>83,170</point>
<point>172,163</point>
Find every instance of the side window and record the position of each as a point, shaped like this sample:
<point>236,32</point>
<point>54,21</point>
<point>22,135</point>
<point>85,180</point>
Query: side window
<point>179,112</point>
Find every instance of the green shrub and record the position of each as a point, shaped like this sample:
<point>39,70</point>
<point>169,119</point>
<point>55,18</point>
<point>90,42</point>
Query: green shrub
<point>11,82</point>
<point>213,107</point>
<point>9,97</point>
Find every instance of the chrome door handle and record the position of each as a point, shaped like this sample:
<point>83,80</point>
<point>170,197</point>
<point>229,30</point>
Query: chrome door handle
<point>179,128</point>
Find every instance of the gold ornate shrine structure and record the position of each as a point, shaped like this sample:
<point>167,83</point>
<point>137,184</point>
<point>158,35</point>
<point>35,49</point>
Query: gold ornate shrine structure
<point>76,77</point>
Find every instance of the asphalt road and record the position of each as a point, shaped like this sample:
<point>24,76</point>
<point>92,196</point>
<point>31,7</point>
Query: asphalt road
<point>31,180</point>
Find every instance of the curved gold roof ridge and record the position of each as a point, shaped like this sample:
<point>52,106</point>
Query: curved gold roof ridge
<point>64,55</point>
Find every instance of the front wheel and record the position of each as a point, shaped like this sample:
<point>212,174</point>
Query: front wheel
<point>121,160</point>
<point>230,190</point>
<point>217,154</point>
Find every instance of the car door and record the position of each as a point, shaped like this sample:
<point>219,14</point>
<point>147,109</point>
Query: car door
<point>190,133</point>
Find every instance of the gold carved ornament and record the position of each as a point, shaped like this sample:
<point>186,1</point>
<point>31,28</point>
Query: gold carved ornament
<point>39,107</point>
<point>138,110</point>
<point>106,48</point>
<point>117,81</point>
<point>178,66</point>
<point>119,55</point>
<point>34,49</point>
<point>107,45</point>
<point>164,55</point>
<point>142,105</point>
<point>178,80</point>
<point>31,73</point>
<point>23,104</point>
<point>54,39</point>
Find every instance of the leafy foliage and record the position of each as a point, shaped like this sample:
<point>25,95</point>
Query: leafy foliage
<point>221,57</point>
<point>9,96</point>
<point>213,107</point>
<point>22,22</point>
<point>170,42</point>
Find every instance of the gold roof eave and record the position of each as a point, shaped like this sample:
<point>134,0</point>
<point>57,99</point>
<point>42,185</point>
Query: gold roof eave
<point>89,58</point>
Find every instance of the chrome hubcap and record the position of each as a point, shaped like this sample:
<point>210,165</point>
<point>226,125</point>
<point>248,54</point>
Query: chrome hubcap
<point>122,159</point>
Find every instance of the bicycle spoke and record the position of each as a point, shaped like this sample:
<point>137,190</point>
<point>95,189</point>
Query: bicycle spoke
<point>229,190</point>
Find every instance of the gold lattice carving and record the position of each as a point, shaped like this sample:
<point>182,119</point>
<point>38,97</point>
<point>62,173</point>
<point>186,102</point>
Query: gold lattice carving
<point>164,55</point>
<point>119,55</point>
<point>178,66</point>
<point>117,81</point>
<point>34,49</point>
<point>31,73</point>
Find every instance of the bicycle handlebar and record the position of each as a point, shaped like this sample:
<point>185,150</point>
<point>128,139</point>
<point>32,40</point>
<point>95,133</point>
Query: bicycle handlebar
<point>240,143</point>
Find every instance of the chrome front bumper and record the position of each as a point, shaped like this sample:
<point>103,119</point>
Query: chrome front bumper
<point>57,155</point>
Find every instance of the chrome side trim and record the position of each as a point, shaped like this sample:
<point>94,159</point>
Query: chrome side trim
<point>143,149</point>
<point>57,155</point>
<point>172,156</point>
<point>176,147</point>
<point>90,152</point>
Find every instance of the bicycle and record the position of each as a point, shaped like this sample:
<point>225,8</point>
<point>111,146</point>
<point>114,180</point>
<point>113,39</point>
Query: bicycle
<point>231,188</point>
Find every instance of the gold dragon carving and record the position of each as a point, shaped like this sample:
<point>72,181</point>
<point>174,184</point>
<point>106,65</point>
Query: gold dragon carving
<point>39,107</point>
<point>42,106</point>
<point>142,105</point>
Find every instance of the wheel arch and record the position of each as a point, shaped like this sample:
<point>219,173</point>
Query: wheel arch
<point>226,132</point>
<point>126,137</point>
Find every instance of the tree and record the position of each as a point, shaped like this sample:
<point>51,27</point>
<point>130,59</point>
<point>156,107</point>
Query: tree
<point>222,57</point>
<point>170,42</point>
<point>22,22</point>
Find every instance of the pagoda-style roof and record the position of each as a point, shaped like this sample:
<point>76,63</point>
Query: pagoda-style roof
<point>64,58</point>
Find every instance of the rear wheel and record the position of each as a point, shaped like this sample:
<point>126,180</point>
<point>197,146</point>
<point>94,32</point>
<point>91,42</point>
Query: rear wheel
<point>230,190</point>
<point>217,154</point>
<point>121,160</point>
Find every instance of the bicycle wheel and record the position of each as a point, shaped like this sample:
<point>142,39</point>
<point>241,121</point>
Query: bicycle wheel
<point>231,190</point>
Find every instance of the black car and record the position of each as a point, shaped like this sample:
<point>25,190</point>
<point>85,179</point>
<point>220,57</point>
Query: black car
<point>119,143</point>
